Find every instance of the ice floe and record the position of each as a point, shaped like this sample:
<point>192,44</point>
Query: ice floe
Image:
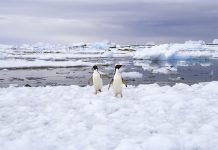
<point>64,52</point>
<point>16,64</point>
<point>132,75</point>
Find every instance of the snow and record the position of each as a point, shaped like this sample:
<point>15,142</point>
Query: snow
<point>41,63</point>
<point>188,50</point>
<point>41,46</point>
<point>150,43</point>
<point>62,56</point>
<point>196,43</point>
<point>215,41</point>
<point>148,117</point>
<point>162,68</point>
<point>180,51</point>
<point>99,45</point>
<point>4,46</point>
<point>132,75</point>
<point>165,70</point>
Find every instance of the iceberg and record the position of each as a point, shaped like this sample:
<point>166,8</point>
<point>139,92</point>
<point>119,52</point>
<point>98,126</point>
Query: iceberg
<point>187,50</point>
<point>215,41</point>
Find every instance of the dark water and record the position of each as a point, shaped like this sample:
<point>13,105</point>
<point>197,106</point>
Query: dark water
<point>175,71</point>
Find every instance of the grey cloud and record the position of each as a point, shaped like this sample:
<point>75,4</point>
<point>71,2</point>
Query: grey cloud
<point>120,21</point>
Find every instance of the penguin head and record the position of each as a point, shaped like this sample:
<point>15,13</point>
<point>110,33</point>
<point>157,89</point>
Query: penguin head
<point>118,67</point>
<point>95,67</point>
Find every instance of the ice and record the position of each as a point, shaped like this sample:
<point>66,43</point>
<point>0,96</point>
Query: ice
<point>42,63</point>
<point>164,70</point>
<point>47,51</point>
<point>188,50</point>
<point>150,43</point>
<point>4,46</point>
<point>149,117</point>
<point>180,51</point>
<point>98,45</point>
<point>55,56</point>
<point>132,75</point>
<point>195,43</point>
<point>215,41</point>
<point>162,67</point>
<point>101,45</point>
<point>41,46</point>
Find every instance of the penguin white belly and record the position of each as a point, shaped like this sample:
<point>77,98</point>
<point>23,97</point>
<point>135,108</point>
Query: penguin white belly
<point>97,82</point>
<point>117,85</point>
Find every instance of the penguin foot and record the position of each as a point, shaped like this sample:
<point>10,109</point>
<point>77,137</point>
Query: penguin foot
<point>96,91</point>
<point>117,94</point>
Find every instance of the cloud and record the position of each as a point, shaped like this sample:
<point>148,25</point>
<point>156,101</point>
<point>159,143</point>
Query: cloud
<point>122,21</point>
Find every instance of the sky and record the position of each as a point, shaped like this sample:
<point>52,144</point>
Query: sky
<point>120,21</point>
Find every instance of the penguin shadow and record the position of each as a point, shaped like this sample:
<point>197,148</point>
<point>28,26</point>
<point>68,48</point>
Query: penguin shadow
<point>116,82</point>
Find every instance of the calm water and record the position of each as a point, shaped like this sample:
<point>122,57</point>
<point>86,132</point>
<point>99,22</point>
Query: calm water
<point>161,72</point>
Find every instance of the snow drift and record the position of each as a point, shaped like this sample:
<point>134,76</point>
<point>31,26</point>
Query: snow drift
<point>147,117</point>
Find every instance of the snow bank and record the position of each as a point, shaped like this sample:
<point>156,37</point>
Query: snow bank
<point>147,117</point>
<point>188,50</point>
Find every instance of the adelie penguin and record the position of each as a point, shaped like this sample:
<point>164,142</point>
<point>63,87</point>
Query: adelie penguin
<point>97,81</point>
<point>117,82</point>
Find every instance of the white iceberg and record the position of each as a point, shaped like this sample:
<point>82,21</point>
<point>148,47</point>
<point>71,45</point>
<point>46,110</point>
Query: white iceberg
<point>188,50</point>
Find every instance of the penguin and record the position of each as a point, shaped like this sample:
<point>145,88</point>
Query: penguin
<point>117,82</point>
<point>97,81</point>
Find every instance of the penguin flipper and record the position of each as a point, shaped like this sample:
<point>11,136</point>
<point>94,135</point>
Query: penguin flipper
<point>112,80</point>
<point>124,82</point>
<point>89,81</point>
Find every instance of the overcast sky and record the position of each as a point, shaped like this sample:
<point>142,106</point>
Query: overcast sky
<point>121,21</point>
